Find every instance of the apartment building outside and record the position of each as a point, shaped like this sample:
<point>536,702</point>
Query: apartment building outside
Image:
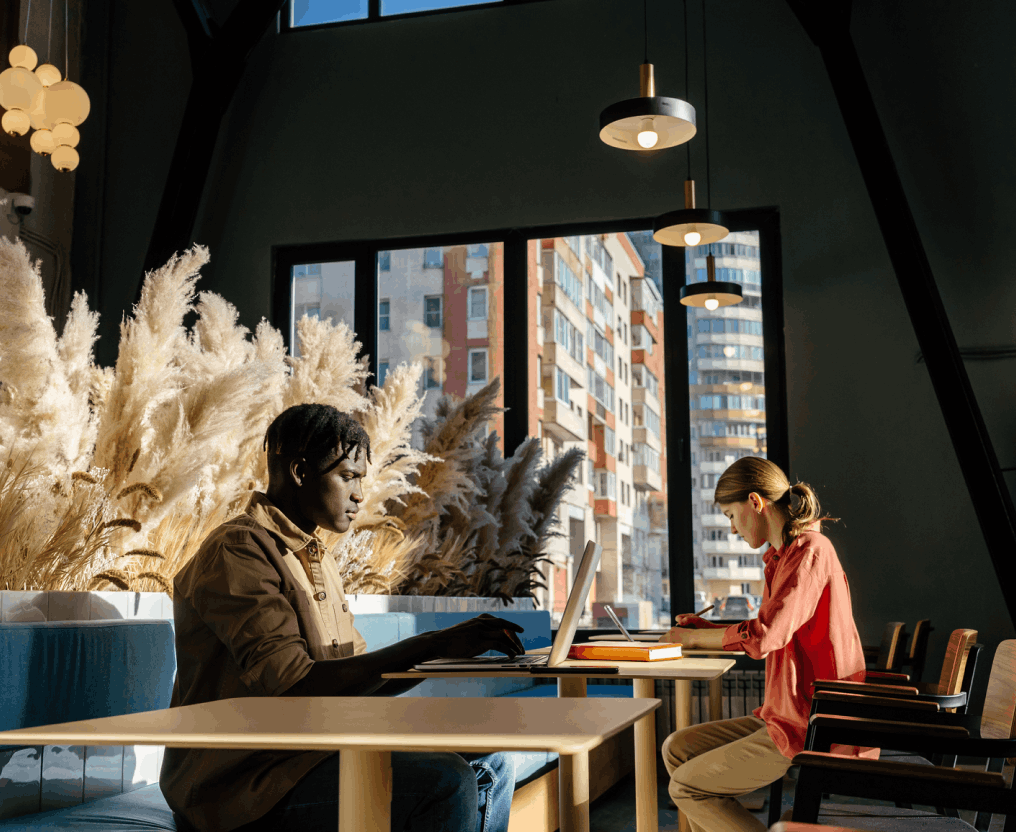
<point>728,411</point>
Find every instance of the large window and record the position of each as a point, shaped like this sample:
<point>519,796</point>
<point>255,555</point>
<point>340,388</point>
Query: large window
<point>304,13</point>
<point>584,376</point>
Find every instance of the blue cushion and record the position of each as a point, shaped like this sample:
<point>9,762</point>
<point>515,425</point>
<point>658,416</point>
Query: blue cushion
<point>592,690</point>
<point>381,629</point>
<point>142,810</point>
<point>63,671</point>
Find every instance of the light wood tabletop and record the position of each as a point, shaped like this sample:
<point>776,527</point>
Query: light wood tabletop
<point>367,730</point>
<point>573,779</point>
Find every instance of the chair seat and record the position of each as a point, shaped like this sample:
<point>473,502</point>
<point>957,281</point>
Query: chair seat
<point>141,810</point>
<point>888,819</point>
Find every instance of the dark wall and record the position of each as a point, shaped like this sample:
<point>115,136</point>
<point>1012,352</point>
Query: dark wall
<point>488,119</point>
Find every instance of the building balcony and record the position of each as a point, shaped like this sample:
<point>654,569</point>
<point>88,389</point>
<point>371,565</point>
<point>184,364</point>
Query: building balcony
<point>643,395</point>
<point>732,546</point>
<point>646,479</point>
<point>732,573</point>
<point>605,508</point>
<point>563,421</point>
<point>554,355</point>
<point>714,521</point>
<point>645,436</point>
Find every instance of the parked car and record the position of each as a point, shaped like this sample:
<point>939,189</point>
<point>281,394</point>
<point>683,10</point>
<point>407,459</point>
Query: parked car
<point>738,607</point>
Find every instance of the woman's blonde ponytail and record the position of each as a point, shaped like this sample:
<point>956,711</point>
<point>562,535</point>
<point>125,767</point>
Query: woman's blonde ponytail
<point>802,515</point>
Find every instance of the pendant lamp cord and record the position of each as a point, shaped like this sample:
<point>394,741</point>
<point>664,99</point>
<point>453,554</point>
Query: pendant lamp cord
<point>67,37</point>
<point>645,28</point>
<point>49,38</point>
<point>705,104</point>
<point>688,144</point>
<point>28,14</point>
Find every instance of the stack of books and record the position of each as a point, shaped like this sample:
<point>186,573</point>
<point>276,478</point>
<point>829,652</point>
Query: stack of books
<point>624,651</point>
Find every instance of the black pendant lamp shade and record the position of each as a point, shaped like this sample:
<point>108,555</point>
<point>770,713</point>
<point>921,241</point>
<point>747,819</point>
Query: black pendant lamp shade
<point>690,226</point>
<point>713,293</point>
<point>649,122</point>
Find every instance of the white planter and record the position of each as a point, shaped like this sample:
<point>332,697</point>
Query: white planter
<point>52,605</point>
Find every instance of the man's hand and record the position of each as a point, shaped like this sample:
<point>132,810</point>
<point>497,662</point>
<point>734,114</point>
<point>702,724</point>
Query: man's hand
<point>478,635</point>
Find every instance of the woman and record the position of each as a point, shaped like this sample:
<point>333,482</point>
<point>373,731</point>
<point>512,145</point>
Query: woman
<point>804,630</point>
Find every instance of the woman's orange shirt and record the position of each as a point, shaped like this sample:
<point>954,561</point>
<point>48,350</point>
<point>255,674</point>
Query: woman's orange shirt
<point>805,631</point>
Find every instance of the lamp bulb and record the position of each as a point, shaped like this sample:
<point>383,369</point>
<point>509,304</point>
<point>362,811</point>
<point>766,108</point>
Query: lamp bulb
<point>47,74</point>
<point>712,304</point>
<point>692,238</point>
<point>16,122</point>
<point>24,56</point>
<point>647,136</point>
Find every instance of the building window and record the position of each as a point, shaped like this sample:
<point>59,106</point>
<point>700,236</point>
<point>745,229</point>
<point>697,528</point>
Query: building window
<point>432,311</point>
<point>384,315</point>
<point>433,258</point>
<point>477,366</point>
<point>432,373</point>
<point>312,311</point>
<point>382,373</point>
<point>562,386</point>
<point>384,261</point>
<point>478,303</point>
<point>476,251</point>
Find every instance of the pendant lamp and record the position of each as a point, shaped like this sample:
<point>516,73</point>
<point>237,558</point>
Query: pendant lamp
<point>713,293</point>
<point>691,225</point>
<point>649,122</point>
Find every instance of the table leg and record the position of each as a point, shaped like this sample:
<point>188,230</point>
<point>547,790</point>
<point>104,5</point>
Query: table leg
<point>365,791</point>
<point>682,703</point>
<point>716,699</point>
<point>573,771</point>
<point>682,718</point>
<point>574,804</point>
<point>647,816</point>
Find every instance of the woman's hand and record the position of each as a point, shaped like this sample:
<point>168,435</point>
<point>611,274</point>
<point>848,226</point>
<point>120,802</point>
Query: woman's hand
<point>691,621</point>
<point>680,635</point>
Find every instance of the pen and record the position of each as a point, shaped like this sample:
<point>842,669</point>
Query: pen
<point>613,617</point>
<point>703,612</point>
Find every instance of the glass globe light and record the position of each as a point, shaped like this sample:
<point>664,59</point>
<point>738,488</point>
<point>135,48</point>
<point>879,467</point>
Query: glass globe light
<point>16,122</point>
<point>18,87</point>
<point>37,112</point>
<point>48,75</point>
<point>66,135</point>
<point>65,158</point>
<point>24,56</point>
<point>66,102</point>
<point>42,142</point>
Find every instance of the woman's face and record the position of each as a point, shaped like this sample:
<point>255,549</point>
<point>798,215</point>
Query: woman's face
<point>746,520</point>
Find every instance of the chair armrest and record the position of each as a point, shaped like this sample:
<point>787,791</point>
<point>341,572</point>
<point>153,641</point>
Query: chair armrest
<point>910,771</point>
<point>862,699</point>
<point>884,677</point>
<point>865,687</point>
<point>915,784</point>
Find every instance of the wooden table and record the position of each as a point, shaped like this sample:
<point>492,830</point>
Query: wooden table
<point>366,730</point>
<point>575,780</point>
<point>715,685</point>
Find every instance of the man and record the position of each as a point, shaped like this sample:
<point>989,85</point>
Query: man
<point>260,611</point>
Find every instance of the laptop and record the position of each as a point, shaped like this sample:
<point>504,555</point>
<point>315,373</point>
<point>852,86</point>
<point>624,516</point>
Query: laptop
<point>562,641</point>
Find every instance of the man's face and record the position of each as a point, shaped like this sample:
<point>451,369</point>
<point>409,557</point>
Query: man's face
<point>332,498</point>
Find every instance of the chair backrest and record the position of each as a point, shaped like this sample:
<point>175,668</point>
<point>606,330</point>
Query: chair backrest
<point>998,719</point>
<point>919,649</point>
<point>890,650</point>
<point>950,680</point>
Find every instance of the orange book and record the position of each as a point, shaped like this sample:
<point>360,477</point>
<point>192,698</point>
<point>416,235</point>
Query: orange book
<point>624,651</point>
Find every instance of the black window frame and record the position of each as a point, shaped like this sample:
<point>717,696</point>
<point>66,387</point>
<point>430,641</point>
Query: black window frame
<point>515,374</point>
<point>374,14</point>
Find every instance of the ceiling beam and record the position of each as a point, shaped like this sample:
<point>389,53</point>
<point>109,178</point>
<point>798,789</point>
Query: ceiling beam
<point>828,24</point>
<point>220,53</point>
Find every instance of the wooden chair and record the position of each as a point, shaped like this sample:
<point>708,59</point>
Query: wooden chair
<point>889,653</point>
<point>949,734</point>
<point>896,701</point>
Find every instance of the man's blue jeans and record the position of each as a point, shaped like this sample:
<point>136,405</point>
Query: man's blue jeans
<point>431,792</point>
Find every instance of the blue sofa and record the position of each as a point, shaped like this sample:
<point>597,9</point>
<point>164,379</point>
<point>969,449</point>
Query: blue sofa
<point>65,671</point>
